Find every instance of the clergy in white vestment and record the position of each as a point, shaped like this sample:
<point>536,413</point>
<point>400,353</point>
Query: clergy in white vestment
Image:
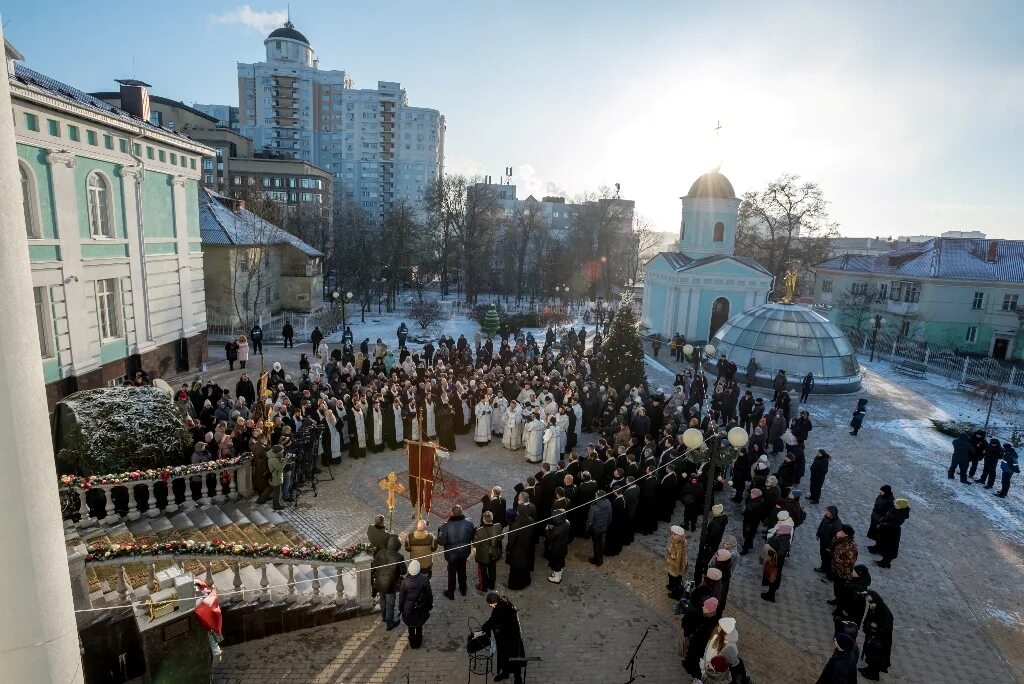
<point>512,438</point>
<point>533,437</point>
<point>482,431</point>
<point>550,407</point>
<point>562,422</point>
<point>498,406</point>
<point>430,417</point>
<point>525,394</point>
<point>551,443</point>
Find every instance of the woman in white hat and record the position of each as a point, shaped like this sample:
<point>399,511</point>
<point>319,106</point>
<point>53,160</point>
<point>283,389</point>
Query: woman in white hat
<point>725,633</point>
<point>676,559</point>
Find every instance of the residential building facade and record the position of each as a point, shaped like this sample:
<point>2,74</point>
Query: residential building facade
<point>960,293</point>
<point>379,149</point>
<point>226,115</point>
<point>254,269</point>
<point>111,211</point>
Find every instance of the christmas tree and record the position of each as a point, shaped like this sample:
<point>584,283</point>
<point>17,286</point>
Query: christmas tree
<point>623,350</point>
<point>491,322</point>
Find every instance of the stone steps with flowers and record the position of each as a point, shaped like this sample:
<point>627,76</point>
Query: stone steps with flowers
<point>241,522</point>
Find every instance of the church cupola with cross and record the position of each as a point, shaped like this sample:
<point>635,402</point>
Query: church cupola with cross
<point>708,225</point>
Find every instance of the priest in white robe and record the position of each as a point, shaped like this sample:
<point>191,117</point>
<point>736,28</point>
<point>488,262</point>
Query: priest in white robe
<point>551,443</point>
<point>562,423</point>
<point>533,437</point>
<point>512,438</point>
<point>498,408</point>
<point>482,431</point>
<point>430,417</point>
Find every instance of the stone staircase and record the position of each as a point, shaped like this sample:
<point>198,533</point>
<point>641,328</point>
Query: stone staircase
<point>258,598</point>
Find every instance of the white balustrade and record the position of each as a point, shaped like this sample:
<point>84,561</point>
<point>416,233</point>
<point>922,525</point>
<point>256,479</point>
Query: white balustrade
<point>152,511</point>
<point>316,586</point>
<point>237,582</point>
<point>264,584</point>
<point>109,516</point>
<point>292,597</point>
<point>133,505</point>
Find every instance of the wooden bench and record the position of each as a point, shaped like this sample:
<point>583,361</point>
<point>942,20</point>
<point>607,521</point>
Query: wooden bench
<point>915,368</point>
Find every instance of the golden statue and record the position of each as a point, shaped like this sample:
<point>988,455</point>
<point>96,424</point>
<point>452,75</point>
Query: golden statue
<point>789,280</point>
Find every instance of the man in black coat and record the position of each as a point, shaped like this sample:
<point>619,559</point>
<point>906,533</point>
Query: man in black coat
<point>495,503</point>
<point>842,666</point>
<point>288,332</point>
<point>716,530</point>
<point>504,626</point>
<point>753,513</point>
<point>668,486</point>
<point>455,536</point>
<point>828,527</point>
<point>963,447</point>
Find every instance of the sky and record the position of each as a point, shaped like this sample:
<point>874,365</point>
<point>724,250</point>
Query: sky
<point>909,115</point>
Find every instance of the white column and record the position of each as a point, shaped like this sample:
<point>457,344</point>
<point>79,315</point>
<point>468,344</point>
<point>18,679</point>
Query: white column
<point>691,313</point>
<point>670,307</point>
<point>38,634</point>
<point>62,178</point>
<point>132,177</point>
<point>188,319</point>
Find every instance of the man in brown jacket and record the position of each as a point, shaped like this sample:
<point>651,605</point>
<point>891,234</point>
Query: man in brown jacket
<point>420,544</point>
<point>844,557</point>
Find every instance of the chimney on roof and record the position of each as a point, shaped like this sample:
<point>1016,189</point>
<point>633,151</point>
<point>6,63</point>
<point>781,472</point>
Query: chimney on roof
<point>135,97</point>
<point>992,256</point>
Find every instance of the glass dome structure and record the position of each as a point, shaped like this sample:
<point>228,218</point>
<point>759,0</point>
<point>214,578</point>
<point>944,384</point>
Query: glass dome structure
<point>792,338</point>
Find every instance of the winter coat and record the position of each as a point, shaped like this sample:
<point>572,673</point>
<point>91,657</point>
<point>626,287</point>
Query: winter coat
<point>600,517</point>
<point>556,539</point>
<point>486,542</point>
<point>519,547</point>
<point>384,573</point>
<point>841,667</point>
<point>883,504</point>
<point>962,449</point>
<point>377,536</point>
<point>878,627</point>
<point>844,557</point>
<point>243,351</point>
<point>457,532</point>
<point>231,351</point>
<point>415,600</point>
<point>504,626</point>
<point>275,463</point>
<point>676,557</point>
<point>827,529</point>
<point>889,530</point>
<point>420,545</point>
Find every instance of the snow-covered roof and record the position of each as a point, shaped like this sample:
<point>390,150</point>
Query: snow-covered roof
<point>942,258</point>
<point>679,262</point>
<point>219,225</point>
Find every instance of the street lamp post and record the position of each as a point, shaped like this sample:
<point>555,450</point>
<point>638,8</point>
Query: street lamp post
<point>738,438</point>
<point>879,321</point>
<point>344,303</point>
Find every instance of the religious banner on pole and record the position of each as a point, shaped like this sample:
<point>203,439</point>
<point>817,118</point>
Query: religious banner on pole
<point>421,475</point>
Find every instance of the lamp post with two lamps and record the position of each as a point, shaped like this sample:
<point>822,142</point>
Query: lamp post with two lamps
<point>715,458</point>
<point>692,352</point>
<point>344,303</point>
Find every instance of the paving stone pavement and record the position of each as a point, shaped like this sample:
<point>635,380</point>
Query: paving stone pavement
<point>956,575</point>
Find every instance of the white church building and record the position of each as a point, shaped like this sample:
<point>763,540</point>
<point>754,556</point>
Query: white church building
<point>696,289</point>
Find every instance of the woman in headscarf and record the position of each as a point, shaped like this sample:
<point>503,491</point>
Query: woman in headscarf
<point>878,625</point>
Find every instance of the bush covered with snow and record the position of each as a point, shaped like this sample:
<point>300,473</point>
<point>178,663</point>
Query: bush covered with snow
<point>116,429</point>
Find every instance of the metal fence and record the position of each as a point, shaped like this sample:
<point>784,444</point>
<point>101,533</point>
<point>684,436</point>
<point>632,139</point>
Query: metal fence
<point>946,362</point>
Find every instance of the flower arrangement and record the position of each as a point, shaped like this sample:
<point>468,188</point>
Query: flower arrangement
<point>87,482</point>
<point>219,547</point>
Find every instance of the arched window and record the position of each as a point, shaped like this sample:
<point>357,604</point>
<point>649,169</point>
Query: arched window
<point>682,230</point>
<point>28,203</point>
<point>719,234</point>
<point>100,223</point>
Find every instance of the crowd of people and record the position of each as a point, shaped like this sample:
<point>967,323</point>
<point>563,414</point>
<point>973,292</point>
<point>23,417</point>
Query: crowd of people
<point>635,476</point>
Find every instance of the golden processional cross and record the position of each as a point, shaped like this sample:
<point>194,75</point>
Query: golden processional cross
<point>392,486</point>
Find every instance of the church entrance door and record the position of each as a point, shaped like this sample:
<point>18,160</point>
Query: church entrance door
<point>719,315</point>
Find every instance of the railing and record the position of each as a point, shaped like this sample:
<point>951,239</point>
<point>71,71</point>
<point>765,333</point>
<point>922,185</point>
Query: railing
<point>117,497</point>
<point>357,570</point>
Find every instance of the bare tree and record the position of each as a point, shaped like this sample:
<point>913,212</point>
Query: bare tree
<point>785,225</point>
<point>358,262</point>
<point>475,234</point>
<point>856,307</point>
<point>446,211</point>
<point>527,230</point>
<point>426,313</point>
<point>600,237</point>
<point>252,270</point>
<point>643,246</point>
<point>402,237</point>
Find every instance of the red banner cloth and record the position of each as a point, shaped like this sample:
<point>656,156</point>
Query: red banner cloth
<point>421,472</point>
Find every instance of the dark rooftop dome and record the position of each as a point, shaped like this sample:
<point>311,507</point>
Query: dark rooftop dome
<point>288,31</point>
<point>712,184</point>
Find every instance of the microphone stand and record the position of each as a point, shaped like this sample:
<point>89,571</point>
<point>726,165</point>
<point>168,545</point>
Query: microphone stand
<point>632,661</point>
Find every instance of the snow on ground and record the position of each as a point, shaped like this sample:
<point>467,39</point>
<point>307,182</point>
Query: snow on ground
<point>900,408</point>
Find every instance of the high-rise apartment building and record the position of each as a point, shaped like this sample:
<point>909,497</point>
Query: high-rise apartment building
<point>378,149</point>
